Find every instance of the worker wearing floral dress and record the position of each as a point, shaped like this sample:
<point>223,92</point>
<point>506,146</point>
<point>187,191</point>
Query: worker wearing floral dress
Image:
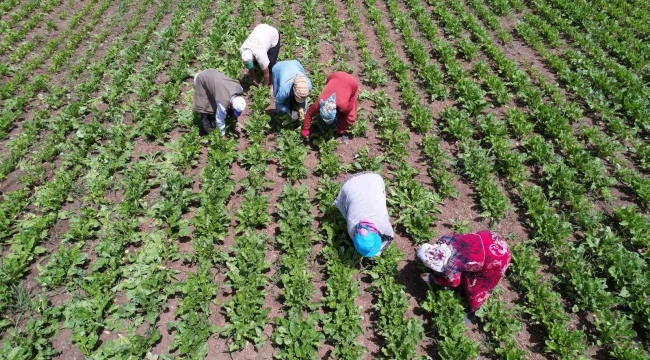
<point>475,261</point>
<point>337,104</point>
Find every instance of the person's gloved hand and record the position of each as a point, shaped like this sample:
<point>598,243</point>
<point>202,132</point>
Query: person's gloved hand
<point>305,133</point>
<point>294,115</point>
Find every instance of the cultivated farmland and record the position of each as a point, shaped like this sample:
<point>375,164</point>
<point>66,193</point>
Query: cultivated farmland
<point>127,235</point>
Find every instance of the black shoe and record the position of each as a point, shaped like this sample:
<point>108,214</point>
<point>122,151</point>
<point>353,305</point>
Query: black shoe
<point>469,318</point>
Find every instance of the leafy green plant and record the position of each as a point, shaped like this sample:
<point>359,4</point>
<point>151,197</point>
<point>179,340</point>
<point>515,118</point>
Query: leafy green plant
<point>456,123</point>
<point>329,163</point>
<point>421,119</point>
<point>401,334</point>
<point>253,212</point>
<point>296,336</point>
<point>341,324</point>
<point>85,318</point>
<point>447,312</point>
<point>193,327</point>
<point>497,90</point>
<point>467,48</point>
<point>366,162</point>
<point>245,312</point>
<point>471,96</point>
<point>64,265</point>
<point>177,196</point>
<point>633,224</point>
<point>291,155</point>
<point>416,206</point>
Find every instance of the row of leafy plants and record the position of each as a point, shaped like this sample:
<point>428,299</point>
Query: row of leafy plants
<point>247,278</point>
<point>145,278</point>
<point>20,76</point>
<point>476,157</point>
<point>623,94</point>
<point>447,309</point>
<point>97,286</point>
<point>591,168</point>
<point>454,342</point>
<point>577,277</point>
<point>584,215</point>
<point>192,326</point>
<point>603,32</point>
<point>15,107</point>
<point>471,99</point>
<point>20,145</point>
<point>342,317</point>
<point>631,177</point>
<point>415,203</point>
<point>399,332</point>
<point>52,195</point>
<point>35,18</point>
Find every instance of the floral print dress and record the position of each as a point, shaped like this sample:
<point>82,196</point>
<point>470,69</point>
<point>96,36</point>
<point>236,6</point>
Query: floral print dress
<point>479,262</point>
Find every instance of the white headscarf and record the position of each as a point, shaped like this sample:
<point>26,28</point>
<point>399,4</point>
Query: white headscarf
<point>435,256</point>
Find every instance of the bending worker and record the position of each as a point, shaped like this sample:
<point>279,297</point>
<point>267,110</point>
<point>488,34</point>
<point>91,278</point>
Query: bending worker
<point>362,201</point>
<point>337,104</point>
<point>214,95</point>
<point>261,48</point>
<point>291,86</point>
<point>477,261</point>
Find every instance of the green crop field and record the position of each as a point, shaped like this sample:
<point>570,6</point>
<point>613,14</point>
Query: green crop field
<point>128,235</point>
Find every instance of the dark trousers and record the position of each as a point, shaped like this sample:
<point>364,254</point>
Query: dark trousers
<point>272,54</point>
<point>206,122</point>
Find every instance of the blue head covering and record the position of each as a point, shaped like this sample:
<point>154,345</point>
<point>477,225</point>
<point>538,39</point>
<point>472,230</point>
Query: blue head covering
<point>328,109</point>
<point>366,242</point>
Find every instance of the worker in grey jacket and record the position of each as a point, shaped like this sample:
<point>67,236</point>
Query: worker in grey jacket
<point>214,95</point>
<point>362,201</point>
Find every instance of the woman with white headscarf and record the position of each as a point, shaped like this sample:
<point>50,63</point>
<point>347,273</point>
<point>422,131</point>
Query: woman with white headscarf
<point>477,261</point>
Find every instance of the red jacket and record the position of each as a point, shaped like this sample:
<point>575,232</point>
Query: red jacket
<point>346,88</point>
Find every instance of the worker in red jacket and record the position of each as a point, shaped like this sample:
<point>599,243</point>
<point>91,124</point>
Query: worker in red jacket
<point>337,104</point>
<point>475,261</point>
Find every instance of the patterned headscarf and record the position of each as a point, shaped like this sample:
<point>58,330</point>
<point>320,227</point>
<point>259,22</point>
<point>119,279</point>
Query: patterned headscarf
<point>328,109</point>
<point>435,256</point>
<point>300,88</point>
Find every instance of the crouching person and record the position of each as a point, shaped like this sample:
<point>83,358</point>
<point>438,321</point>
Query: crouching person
<point>475,261</point>
<point>215,94</point>
<point>362,202</point>
<point>291,86</point>
<point>337,104</point>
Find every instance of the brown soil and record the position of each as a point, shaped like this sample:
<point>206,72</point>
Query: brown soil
<point>530,338</point>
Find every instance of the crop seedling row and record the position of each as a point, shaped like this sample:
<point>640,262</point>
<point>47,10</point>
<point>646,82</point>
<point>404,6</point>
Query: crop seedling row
<point>123,226</point>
